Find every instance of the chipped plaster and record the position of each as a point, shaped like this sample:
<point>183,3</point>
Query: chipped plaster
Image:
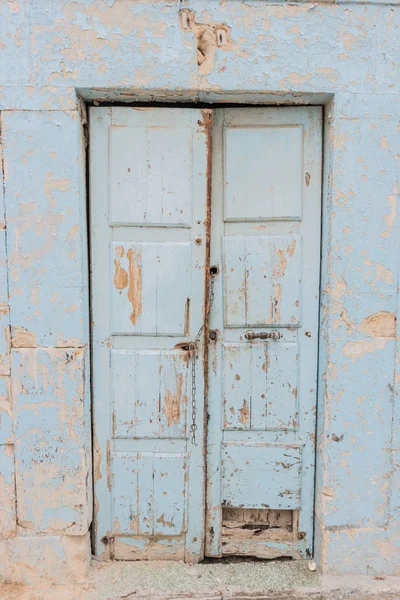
<point>343,55</point>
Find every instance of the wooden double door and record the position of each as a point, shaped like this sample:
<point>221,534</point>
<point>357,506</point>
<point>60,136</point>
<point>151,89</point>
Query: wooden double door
<point>205,256</point>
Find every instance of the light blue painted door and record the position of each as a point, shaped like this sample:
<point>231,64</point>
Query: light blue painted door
<point>265,241</point>
<point>150,175</point>
<point>148,206</point>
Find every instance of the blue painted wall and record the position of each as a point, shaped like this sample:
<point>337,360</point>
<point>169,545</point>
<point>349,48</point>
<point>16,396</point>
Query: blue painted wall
<point>345,56</point>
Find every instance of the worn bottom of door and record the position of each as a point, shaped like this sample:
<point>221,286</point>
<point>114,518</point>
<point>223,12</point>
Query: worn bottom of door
<point>157,346</point>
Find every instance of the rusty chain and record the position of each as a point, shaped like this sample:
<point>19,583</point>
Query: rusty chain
<point>194,347</point>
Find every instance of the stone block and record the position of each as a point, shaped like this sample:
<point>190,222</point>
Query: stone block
<point>51,440</point>
<point>46,228</point>
<point>7,491</point>
<point>35,560</point>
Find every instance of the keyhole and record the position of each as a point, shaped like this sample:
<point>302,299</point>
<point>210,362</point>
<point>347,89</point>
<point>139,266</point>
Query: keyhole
<point>214,270</point>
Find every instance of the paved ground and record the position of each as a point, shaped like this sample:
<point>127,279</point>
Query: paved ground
<point>230,580</point>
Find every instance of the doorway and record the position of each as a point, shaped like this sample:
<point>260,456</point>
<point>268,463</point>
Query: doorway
<point>205,330</point>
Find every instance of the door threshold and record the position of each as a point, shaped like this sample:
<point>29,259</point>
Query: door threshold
<point>246,580</point>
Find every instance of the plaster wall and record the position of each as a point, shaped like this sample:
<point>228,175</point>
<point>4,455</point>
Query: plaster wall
<point>53,55</point>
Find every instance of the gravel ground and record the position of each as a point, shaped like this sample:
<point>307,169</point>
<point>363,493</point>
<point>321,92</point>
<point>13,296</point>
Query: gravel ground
<point>219,580</point>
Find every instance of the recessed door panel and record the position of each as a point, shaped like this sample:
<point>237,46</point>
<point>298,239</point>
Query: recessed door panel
<point>260,386</point>
<point>149,494</point>
<point>150,175</point>
<point>150,390</point>
<point>150,290</point>
<point>263,172</point>
<point>262,276</point>
<point>263,476</point>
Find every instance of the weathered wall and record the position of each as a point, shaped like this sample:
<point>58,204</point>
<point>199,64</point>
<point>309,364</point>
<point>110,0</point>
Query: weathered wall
<point>343,55</point>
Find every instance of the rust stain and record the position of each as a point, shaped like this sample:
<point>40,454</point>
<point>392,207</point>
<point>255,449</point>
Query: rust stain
<point>280,270</point>
<point>187,317</point>
<point>266,364</point>
<point>164,522</point>
<point>244,413</point>
<point>135,284</point>
<point>307,178</point>
<point>214,362</point>
<point>277,303</point>
<point>120,276</point>
<point>108,457</point>
<point>292,248</point>
<point>172,408</point>
<point>96,459</point>
<point>114,422</point>
<point>207,118</point>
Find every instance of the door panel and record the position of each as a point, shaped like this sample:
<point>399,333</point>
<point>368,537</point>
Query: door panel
<point>149,220</point>
<point>150,392</point>
<point>265,244</point>
<point>142,482</point>
<point>150,174</point>
<point>261,475</point>
<point>260,386</point>
<point>262,279</point>
<point>263,171</point>
<point>150,288</point>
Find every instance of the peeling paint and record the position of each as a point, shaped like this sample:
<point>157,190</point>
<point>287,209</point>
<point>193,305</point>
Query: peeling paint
<point>135,285</point>
<point>22,338</point>
<point>379,325</point>
<point>341,55</point>
<point>172,408</point>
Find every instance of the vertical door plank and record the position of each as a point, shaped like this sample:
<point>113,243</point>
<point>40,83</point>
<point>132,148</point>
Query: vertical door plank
<point>123,368</point>
<point>169,494</point>
<point>146,494</point>
<point>125,496</point>
<point>235,281</point>
<point>147,394</point>
<point>236,373</point>
<point>259,377</point>
<point>283,386</point>
<point>173,284</point>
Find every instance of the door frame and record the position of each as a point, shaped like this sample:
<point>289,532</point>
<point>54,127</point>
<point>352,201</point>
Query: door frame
<point>86,100</point>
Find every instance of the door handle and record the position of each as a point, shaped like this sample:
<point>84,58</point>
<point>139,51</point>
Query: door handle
<point>264,335</point>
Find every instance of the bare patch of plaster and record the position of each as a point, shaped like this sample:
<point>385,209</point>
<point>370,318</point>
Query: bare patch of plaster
<point>380,326</point>
<point>209,37</point>
<point>22,338</point>
<point>356,350</point>
<point>391,216</point>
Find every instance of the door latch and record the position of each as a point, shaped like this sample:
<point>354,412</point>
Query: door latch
<point>264,335</point>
